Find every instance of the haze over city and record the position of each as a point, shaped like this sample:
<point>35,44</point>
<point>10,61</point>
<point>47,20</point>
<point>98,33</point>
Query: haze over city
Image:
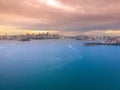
<point>91,17</point>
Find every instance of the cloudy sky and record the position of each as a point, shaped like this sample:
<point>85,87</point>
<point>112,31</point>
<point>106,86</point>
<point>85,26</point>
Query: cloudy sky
<point>67,16</point>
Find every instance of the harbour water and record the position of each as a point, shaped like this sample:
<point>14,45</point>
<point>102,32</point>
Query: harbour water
<point>58,65</point>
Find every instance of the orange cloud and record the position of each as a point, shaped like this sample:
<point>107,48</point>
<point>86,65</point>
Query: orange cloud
<point>62,15</point>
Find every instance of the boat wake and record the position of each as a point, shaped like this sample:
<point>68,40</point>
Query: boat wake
<point>77,52</point>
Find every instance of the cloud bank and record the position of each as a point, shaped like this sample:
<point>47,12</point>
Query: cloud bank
<point>62,15</point>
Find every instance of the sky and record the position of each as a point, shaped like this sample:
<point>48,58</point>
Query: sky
<point>92,17</point>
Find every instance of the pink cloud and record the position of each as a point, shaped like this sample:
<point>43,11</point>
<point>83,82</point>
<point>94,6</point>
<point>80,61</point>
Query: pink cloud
<point>64,15</point>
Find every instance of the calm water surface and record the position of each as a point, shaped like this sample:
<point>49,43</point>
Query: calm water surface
<point>58,65</point>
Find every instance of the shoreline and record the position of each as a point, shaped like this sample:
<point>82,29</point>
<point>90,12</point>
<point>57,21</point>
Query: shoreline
<point>99,44</point>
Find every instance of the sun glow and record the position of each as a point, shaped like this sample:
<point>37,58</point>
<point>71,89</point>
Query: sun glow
<point>53,3</point>
<point>36,32</point>
<point>59,5</point>
<point>19,32</point>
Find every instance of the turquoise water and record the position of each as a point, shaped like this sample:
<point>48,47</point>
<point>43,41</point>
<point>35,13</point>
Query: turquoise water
<point>58,65</point>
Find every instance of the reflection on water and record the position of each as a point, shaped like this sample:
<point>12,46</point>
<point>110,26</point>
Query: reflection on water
<point>58,65</point>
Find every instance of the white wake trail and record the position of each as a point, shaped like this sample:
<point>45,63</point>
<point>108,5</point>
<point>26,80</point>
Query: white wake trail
<point>78,53</point>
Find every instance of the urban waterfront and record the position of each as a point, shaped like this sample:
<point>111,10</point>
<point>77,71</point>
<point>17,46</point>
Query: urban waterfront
<point>58,65</point>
